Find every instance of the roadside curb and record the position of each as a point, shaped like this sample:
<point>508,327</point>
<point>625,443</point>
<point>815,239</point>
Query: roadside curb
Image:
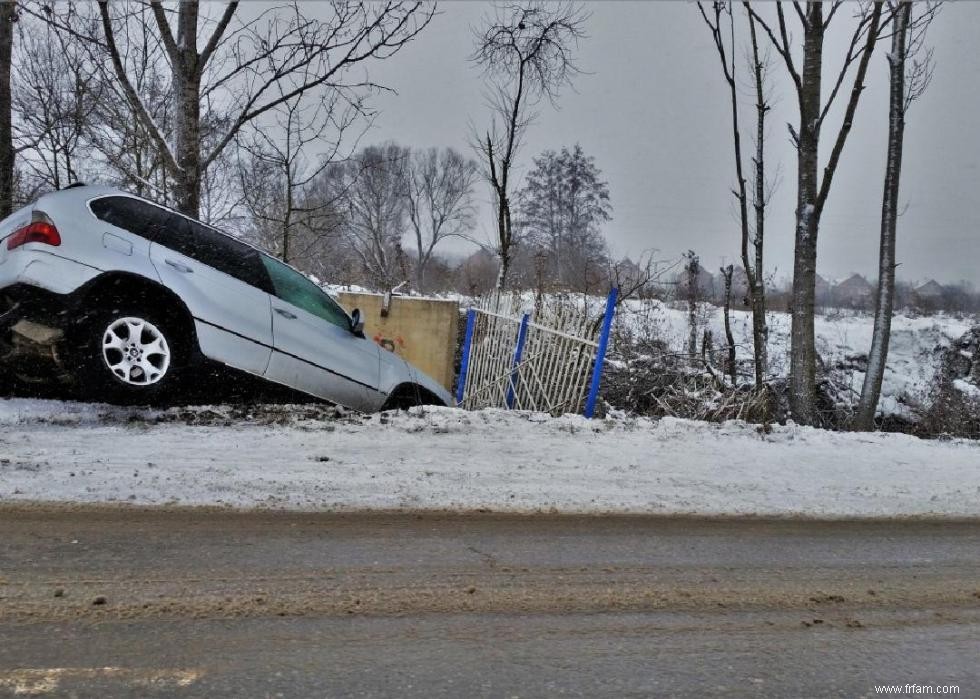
<point>28,508</point>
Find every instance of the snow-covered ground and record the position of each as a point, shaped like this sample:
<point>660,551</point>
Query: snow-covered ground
<point>439,459</point>
<point>843,341</point>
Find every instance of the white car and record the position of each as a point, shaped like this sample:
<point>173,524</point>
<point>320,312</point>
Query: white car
<point>127,297</point>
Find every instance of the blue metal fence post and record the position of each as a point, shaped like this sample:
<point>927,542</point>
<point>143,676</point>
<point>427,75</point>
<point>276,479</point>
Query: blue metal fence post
<point>464,365</point>
<point>600,355</point>
<point>518,352</point>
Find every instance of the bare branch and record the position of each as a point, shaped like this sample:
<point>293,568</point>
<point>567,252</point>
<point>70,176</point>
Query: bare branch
<point>871,38</point>
<point>132,96</point>
<point>165,34</point>
<point>219,31</point>
<point>781,44</point>
<point>526,53</point>
<point>854,52</point>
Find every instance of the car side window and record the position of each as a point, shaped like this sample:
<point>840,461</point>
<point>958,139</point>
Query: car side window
<point>292,287</point>
<point>133,215</point>
<point>212,248</point>
<point>191,238</point>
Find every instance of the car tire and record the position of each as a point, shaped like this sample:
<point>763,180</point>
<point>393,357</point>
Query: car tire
<point>129,355</point>
<point>409,396</point>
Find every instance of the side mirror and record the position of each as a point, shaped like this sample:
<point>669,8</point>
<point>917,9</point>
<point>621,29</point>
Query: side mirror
<point>357,323</point>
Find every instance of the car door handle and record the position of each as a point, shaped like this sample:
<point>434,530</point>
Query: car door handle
<point>184,269</point>
<point>284,313</point>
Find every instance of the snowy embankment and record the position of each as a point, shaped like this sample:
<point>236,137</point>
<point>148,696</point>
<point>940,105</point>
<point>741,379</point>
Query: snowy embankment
<point>843,340</point>
<point>444,459</point>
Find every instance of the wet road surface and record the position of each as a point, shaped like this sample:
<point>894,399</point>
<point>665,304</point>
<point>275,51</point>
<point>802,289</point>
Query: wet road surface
<point>129,603</point>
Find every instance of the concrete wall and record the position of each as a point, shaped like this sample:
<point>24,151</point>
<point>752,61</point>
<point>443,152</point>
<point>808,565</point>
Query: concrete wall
<point>422,331</point>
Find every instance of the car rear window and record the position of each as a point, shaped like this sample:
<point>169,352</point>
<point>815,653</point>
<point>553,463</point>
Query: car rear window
<point>133,215</point>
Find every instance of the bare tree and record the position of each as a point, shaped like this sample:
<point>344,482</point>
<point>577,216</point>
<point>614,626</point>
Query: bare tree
<point>525,51</point>
<point>761,192</point>
<point>562,206</point>
<point>439,200</point>
<point>248,67</point>
<point>753,265</point>
<point>906,84</point>
<point>369,189</point>
<point>53,98</point>
<point>116,144</point>
<point>124,144</point>
<point>44,98</point>
<point>279,159</point>
<point>812,187</point>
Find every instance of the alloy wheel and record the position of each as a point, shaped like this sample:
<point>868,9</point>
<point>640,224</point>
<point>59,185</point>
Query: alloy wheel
<point>135,351</point>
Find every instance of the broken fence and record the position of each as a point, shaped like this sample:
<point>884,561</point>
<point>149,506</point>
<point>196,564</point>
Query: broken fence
<point>550,361</point>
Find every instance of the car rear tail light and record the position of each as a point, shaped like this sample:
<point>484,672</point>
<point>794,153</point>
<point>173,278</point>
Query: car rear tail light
<point>39,230</point>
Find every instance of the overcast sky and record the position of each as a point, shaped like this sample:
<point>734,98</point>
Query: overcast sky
<point>652,110</point>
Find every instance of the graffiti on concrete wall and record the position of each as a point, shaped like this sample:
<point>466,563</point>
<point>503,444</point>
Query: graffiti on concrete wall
<point>390,344</point>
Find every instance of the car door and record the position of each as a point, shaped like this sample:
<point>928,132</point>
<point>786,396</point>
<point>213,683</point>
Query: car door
<point>223,283</point>
<point>123,244</point>
<point>315,350</point>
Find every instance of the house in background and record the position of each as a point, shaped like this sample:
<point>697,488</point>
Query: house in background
<point>929,296</point>
<point>707,289</point>
<point>853,292</point>
<point>822,292</point>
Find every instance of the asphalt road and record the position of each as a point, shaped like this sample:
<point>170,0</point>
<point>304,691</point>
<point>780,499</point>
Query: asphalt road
<point>103,603</point>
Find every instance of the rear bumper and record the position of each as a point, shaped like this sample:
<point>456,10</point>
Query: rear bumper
<point>33,324</point>
<point>28,302</point>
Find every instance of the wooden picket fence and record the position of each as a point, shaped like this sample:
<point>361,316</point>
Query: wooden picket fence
<point>547,360</point>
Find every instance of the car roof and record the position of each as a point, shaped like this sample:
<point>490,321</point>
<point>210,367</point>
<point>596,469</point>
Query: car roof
<point>89,192</point>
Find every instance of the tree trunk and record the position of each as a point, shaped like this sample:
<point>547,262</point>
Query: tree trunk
<point>187,82</point>
<point>755,274</point>
<point>731,367</point>
<point>503,270</point>
<point>803,367</point>
<point>8,12</point>
<point>692,268</point>
<point>760,330</point>
<point>871,389</point>
<point>504,230</point>
<point>287,223</point>
<point>420,266</point>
